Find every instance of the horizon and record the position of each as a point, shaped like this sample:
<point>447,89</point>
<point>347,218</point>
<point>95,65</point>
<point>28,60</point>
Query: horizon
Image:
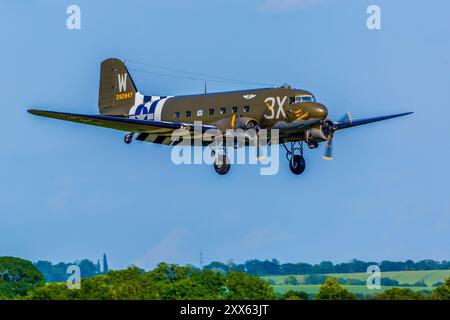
<point>243,262</point>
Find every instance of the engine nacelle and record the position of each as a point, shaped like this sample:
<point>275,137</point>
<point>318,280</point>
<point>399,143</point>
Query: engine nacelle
<point>246,123</point>
<point>320,133</point>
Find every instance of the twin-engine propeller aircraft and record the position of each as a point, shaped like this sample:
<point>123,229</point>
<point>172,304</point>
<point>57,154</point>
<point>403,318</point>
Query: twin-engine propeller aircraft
<point>294,112</point>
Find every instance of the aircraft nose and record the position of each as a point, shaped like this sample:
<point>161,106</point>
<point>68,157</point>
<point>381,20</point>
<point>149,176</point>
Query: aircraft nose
<point>321,111</point>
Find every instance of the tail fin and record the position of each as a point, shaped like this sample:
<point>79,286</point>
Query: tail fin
<point>117,92</point>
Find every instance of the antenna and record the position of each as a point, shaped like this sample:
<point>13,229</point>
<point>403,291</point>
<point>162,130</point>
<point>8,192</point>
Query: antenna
<point>177,73</point>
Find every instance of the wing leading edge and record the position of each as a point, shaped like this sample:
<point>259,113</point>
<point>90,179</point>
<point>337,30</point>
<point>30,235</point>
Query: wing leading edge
<point>118,123</point>
<point>359,122</point>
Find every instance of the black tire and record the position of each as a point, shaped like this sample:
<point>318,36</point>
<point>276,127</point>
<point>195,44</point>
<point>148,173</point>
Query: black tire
<point>297,164</point>
<point>222,164</point>
<point>128,138</point>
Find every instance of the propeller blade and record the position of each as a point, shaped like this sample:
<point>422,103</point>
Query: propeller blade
<point>347,119</point>
<point>329,150</point>
<point>259,153</point>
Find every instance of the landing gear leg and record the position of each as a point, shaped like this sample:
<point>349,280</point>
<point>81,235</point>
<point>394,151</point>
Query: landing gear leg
<point>221,163</point>
<point>294,154</point>
<point>128,138</point>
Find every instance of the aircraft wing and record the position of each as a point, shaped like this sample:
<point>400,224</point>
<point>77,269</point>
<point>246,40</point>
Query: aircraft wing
<point>353,123</point>
<point>152,131</point>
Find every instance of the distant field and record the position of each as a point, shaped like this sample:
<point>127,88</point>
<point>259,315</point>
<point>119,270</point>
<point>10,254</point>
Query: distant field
<point>429,277</point>
<point>312,289</point>
<point>403,277</point>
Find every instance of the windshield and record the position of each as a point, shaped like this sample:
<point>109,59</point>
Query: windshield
<point>304,98</point>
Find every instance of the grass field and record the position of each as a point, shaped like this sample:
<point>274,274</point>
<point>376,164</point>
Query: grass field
<point>429,277</point>
<point>403,277</point>
<point>312,289</point>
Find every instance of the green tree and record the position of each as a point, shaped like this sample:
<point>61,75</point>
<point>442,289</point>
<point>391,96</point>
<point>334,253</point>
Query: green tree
<point>98,267</point>
<point>291,280</point>
<point>200,285</point>
<point>18,277</point>
<point>217,265</point>
<point>332,290</point>
<point>52,291</point>
<point>105,264</point>
<point>175,282</point>
<point>325,267</point>
<point>399,294</point>
<point>241,286</point>
<point>315,279</point>
<point>52,272</point>
<point>117,285</point>
<point>295,295</point>
<point>442,292</point>
<point>166,281</point>
<point>437,284</point>
<point>87,267</point>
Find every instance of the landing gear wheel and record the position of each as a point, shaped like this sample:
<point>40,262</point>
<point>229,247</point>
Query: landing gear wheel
<point>222,164</point>
<point>294,155</point>
<point>128,138</point>
<point>297,164</point>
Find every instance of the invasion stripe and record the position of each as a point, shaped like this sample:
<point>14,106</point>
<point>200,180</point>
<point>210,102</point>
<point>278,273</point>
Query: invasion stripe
<point>159,107</point>
<point>153,106</point>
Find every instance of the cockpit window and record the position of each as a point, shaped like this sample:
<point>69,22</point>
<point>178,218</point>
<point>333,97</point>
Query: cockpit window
<point>291,100</point>
<point>304,98</point>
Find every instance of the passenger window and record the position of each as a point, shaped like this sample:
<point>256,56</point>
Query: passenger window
<point>234,109</point>
<point>188,114</point>
<point>211,112</point>
<point>223,110</point>
<point>200,113</point>
<point>176,115</point>
<point>291,100</point>
<point>246,108</point>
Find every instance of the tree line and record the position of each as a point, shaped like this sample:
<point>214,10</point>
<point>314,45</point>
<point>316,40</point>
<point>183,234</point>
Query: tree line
<point>58,272</point>
<point>20,279</point>
<point>274,267</point>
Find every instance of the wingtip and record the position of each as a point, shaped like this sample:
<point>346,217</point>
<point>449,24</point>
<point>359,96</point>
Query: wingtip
<point>38,112</point>
<point>33,111</point>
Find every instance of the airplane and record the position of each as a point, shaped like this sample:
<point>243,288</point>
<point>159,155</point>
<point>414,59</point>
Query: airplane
<point>294,112</point>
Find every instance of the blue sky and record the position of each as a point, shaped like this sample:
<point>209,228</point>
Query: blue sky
<point>70,191</point>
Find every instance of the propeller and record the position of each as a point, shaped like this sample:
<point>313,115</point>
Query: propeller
<point>329,130</point>
<point>255,138</point>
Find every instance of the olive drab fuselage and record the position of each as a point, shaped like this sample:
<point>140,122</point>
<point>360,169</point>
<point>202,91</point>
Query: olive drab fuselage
<point>270,108</point>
